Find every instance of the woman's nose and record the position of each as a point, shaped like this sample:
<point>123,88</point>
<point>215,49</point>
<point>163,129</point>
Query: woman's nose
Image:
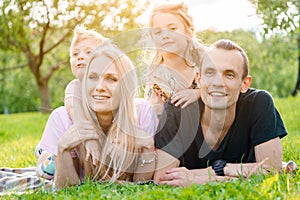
<point>101,85</point>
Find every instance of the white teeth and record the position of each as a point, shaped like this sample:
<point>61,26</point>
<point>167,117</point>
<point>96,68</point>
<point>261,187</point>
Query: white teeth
<point>100,97</point>
<point>219,94</point>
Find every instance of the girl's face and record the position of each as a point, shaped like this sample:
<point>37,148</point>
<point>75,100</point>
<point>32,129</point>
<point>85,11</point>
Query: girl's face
<point>79,54</point>
<point>169,33</point>
<point>102,85</point>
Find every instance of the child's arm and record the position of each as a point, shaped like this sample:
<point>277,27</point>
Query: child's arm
<point>75,110</point>
<point>73,98</point>
<point>185,97</point>
<point>154,99</point>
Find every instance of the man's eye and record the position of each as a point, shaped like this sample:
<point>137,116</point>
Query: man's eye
<point>230,75</point>
<point>209,73</point>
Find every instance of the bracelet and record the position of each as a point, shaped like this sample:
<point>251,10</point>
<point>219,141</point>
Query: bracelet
<point>143,161</point>
<point>218,167</point>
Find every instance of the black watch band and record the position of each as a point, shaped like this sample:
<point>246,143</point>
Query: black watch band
<point>218,167</point>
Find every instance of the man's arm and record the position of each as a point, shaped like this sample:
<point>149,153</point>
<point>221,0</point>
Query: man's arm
<point>272,150</point>
<point>268,157</point>
<point>164,163</point>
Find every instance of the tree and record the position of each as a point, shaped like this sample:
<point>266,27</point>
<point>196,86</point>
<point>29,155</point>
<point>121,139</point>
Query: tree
<point>281,16</point>
<point>33,30</point>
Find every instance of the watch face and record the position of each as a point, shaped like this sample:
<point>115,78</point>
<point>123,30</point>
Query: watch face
<point>218,167</point>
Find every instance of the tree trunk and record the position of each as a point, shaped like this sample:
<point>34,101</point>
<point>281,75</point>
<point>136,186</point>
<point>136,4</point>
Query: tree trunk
<point>45,97</point>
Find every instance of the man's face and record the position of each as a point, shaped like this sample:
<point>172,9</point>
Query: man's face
<point>221,78</point>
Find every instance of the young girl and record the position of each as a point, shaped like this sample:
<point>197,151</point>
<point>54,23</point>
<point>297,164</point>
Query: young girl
<point>173,69</point>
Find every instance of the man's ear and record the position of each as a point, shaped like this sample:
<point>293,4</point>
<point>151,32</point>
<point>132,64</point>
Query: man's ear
<point>246,84</point>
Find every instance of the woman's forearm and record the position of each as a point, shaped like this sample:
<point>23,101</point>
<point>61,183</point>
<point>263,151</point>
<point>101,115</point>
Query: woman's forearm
<point>65,174</point>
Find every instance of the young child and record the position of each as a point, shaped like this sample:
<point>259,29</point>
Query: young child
<point>83,43</point>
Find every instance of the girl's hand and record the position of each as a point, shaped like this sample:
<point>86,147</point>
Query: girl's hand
<point>185,97</point>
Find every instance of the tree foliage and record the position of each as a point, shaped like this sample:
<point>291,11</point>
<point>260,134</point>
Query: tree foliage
<point>33,31</point>
<point>281,17</point>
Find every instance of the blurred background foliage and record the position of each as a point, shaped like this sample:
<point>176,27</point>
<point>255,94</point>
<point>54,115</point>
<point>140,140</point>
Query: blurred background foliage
<point>273,59</point>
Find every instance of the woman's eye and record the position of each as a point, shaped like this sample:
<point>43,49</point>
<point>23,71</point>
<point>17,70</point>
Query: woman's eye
<point>92,77</point>
<point>112,79</point>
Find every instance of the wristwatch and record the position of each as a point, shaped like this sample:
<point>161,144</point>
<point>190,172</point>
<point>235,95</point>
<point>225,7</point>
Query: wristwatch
<point>218,167</point>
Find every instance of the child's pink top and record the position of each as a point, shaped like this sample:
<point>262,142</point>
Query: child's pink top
<point>59,122</point>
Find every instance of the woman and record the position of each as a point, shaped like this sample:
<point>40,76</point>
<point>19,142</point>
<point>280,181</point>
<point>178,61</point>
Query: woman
<point>123,139</point>
<point>173,68</point>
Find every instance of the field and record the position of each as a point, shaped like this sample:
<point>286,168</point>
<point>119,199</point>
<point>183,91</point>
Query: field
<point>19,134</point>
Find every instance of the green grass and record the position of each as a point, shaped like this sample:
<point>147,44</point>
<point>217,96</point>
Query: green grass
<point>19,134</point>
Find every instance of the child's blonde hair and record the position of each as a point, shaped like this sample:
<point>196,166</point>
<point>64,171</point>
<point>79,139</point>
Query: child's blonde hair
<point>81,33</point>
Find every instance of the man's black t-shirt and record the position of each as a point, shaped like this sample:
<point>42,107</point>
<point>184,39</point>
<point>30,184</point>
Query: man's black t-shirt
<point>257,120</point>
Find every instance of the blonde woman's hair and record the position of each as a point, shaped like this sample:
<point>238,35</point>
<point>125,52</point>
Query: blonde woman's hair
<point>116,161</point>
<point>194,49</point>
<point>81,33</point>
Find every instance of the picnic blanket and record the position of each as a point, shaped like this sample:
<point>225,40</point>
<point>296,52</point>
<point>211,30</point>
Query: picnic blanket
<point>21,180</point>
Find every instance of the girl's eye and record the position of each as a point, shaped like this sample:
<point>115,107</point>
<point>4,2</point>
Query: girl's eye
<point>173,28</point>
<point>157,31</point>
<point>88,51</point>
<point>75,54</point>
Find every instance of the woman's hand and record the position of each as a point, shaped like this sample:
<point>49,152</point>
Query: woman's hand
<point>185,97</point>
<point>93,151</point>
<point>78,133</point>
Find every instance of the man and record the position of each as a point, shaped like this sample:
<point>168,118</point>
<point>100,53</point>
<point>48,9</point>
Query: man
<point>231,131</point>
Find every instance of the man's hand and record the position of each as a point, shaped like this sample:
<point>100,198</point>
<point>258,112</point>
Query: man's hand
<point>178,177</point>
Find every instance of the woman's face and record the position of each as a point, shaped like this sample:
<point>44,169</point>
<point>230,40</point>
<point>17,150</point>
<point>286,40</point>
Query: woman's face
<point>103,85</point>
<point>169,33</point>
